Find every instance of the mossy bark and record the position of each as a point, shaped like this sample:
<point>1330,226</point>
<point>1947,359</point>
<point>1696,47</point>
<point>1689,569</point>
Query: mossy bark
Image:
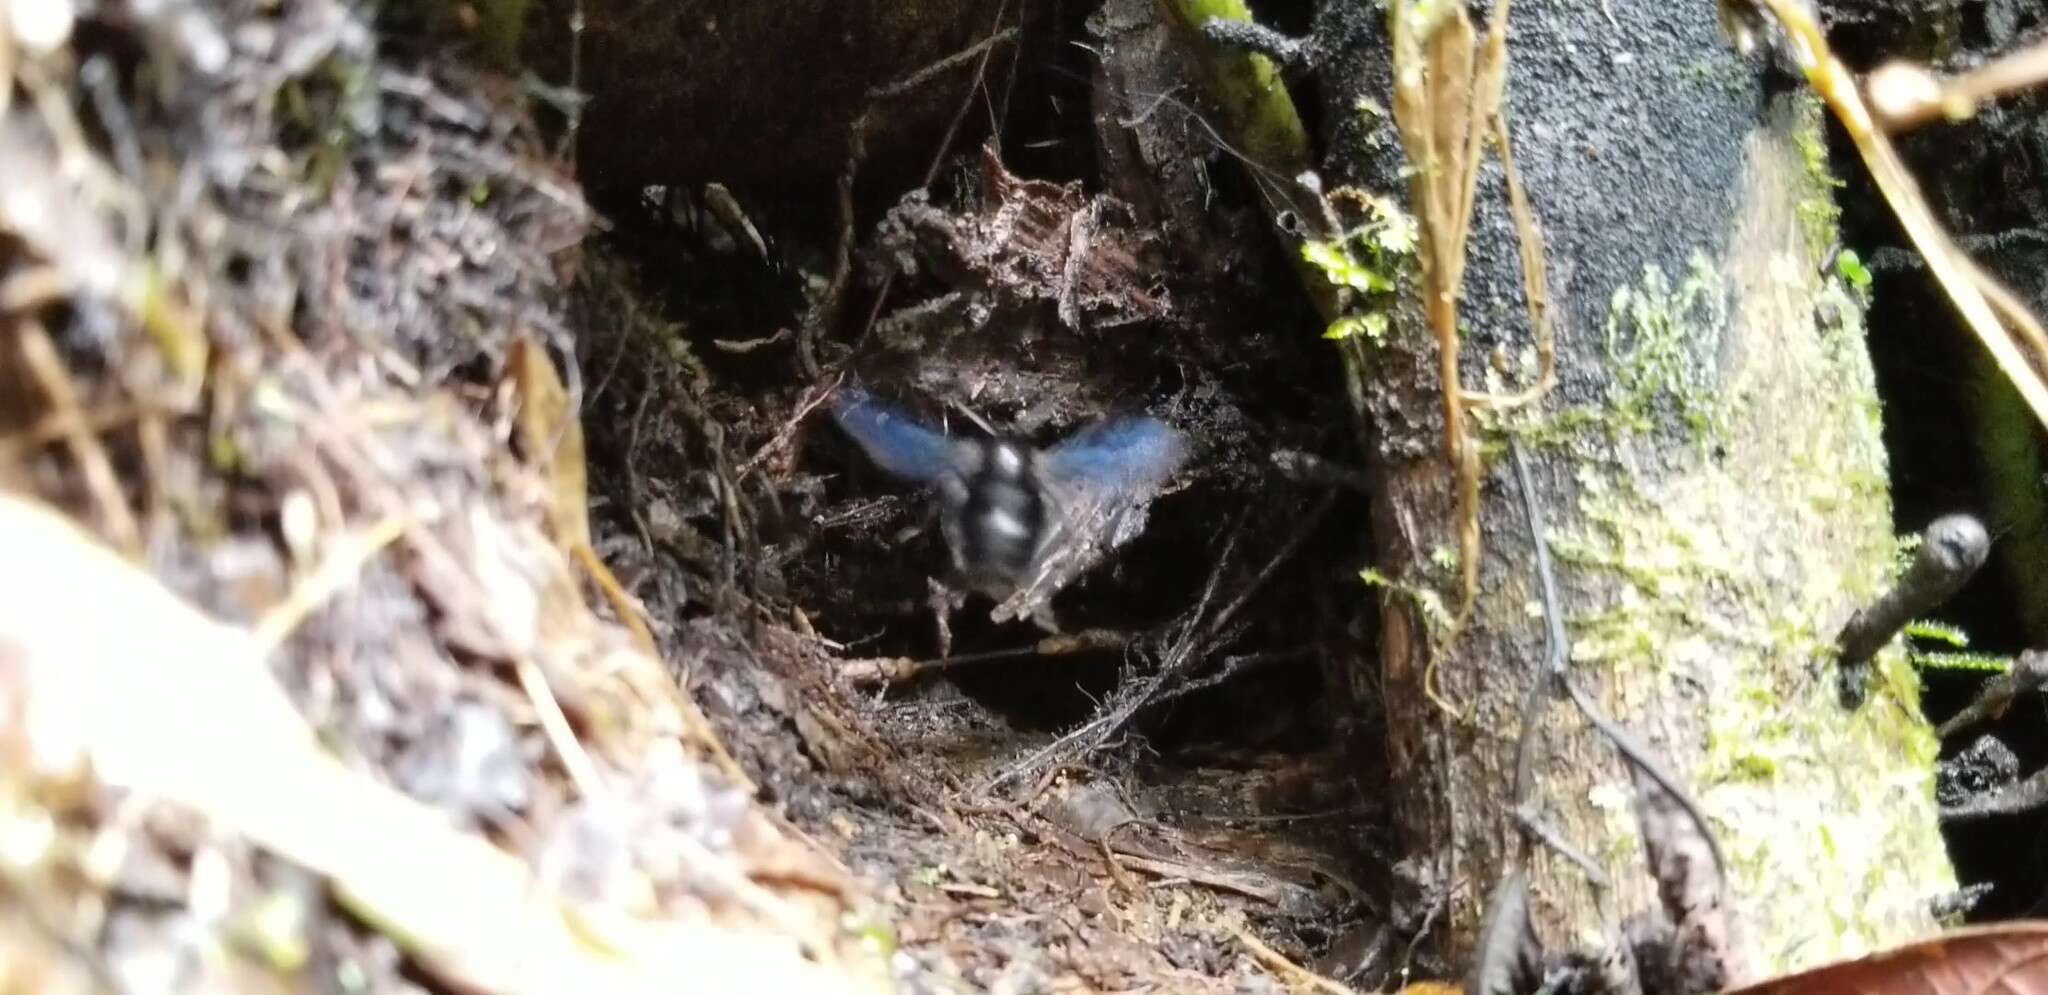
<point>1716,490</point>
<point>1715,481</point>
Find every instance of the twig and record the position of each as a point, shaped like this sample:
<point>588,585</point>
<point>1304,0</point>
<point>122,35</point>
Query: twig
<point>788,429</point>
<point>1016,806</point>
<point>2029,673</point>
<point>1194,639</point>
<point>565,151</point>
<point>1639,756</point>
<point>1529,245</point>
<point>1951,550</point>
<point>741,347</point>
<point>555,724</point>
<point>1559,655</point>
<point>1544,687</point>
<point>898,670</point>
<point>947,64</point>
<point>53,428</point>
<point>1905,96</point>
<point>39,354</point>
<point>2024,796</point>
<point>1134,696</point>
<point>1958,275</point>
<point>631,613</point>
<point>1533,825</point>
<point>1232,666</point>
<point>340,566</point>
<point>732,518</point>
<point>1508,954</point>
<point>1286,550</point>
<point>856,151</point>
<point>1276,961</point>
<point>1448,88</point>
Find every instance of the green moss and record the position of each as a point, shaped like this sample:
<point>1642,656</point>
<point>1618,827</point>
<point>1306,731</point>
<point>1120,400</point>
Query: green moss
<point>1985,663</point>
<point>1651,330</point>
<point>1256,111</point>
<point>1372,261</point>
<point>1819,214</point>
<point>1427,601</point>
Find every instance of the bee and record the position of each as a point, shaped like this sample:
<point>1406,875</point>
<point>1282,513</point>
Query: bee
<point>1022,522</point>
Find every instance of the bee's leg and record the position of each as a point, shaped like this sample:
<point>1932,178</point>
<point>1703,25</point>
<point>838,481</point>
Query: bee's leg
<point>944,602</point>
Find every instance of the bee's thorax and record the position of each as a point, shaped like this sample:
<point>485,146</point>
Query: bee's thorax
<point>995,511</point>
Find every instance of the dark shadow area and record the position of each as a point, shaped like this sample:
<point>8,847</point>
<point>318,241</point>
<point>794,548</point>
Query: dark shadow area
<point>1984,179</point>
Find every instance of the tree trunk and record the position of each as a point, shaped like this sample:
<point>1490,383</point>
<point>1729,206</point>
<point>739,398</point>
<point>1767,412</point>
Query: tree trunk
<point>1715,486</point>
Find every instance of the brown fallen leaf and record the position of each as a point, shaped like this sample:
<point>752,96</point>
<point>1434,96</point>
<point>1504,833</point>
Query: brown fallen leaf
<point>2008,957</point>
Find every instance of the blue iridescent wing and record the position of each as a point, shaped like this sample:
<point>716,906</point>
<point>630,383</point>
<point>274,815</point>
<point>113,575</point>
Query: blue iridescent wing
<point>891,437</point>
<point>1131,456</point>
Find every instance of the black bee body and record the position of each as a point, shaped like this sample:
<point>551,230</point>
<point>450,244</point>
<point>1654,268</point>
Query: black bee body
<point>1021,522</point>
<point>994,512</point>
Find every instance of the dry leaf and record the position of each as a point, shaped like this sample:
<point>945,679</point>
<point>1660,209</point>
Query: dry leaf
<point>2009,957</point>
<point>551,438</point>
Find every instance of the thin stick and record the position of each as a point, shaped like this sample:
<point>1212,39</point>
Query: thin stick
<point>1907,96</point>
<point>39,354</point>
<point>1958,275</point>
<point>1278,962</point>
<point>336,570</point>
<point>1558,657</point>
<point>555,725</point>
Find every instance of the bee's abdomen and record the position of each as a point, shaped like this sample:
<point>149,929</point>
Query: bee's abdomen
<point>997,510</point>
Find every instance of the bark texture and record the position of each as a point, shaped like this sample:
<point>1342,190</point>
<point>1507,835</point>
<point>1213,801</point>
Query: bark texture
<point>1715,484</point>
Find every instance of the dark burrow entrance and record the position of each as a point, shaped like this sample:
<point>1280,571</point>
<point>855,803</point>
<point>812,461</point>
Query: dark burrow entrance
<point>1210,735</point>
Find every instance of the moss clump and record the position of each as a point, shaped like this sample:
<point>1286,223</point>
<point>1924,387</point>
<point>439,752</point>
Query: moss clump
<point>1651,330</point>
<point>1819,214</point>
<point>1370,261</point>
